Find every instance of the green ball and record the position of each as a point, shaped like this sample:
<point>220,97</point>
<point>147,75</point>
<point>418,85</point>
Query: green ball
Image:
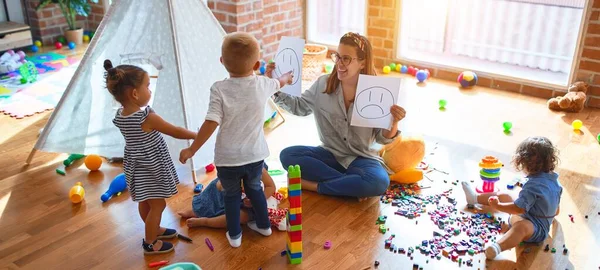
<point>507,126</point>
<point>23,81</point>
<point>393,66</point>
<point>91,34</point>
<point>598,138</point>
<point>271,61</point>
<point>62,40</point>
<point>442,103</point>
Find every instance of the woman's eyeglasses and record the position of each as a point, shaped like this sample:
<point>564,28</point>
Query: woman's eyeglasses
<point>346,59</point>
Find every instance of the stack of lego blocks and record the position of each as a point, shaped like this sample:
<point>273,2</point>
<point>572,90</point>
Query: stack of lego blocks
<point>294,216</point>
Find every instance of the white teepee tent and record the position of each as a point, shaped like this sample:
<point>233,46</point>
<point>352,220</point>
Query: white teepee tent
<point>181,43</point>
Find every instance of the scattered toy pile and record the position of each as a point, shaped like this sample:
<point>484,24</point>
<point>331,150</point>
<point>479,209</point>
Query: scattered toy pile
<point>462,233</point>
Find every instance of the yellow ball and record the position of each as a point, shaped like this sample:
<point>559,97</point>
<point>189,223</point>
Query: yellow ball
<point>386,69</point>
<point>86,38</point>
<point>577,124</point>
<point>38,43</point>
<point>93,162</point>
<point>398,66</point>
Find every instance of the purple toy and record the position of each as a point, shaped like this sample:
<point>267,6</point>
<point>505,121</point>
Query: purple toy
<point>116,186</point>
<point>327,245</point>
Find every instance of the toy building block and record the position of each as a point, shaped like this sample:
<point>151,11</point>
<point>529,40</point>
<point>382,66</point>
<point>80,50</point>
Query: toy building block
<point>294,216</point>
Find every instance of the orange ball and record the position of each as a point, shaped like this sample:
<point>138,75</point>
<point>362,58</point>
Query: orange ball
<point>93,162</point>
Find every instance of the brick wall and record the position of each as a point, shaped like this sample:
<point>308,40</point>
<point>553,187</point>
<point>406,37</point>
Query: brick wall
<point>267,20</point>
<point>382,32</point>
<point>49,23</point>
<point>589,64</point>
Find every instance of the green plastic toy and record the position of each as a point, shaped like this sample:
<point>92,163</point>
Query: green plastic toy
<point>276,172</point>
<point>62,40</point>
<point>442,104</point>
<point>393,66</point>
<point>29,73</point>
<point>507,126</point>
<point>72,158</point>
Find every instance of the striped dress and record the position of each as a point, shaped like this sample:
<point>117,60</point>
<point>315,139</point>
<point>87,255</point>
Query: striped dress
<point>149,169</point>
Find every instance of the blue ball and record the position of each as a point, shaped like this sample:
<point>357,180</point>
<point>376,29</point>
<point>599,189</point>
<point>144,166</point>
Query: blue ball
<point>404,69</point>
<point>421,75</point>
<point>262,70</point>
<point>71,45</point>
<point>34,48</point>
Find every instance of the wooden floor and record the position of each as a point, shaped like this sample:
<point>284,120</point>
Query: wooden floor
<point>41,229</point>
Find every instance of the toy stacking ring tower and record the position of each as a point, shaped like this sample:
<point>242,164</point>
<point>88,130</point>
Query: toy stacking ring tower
<point>490,174</point>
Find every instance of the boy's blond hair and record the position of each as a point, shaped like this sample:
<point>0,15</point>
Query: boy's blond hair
<point>240,52</point>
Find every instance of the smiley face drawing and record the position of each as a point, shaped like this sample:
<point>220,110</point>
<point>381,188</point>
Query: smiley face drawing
<point>286,60</point>
<point>374,102</point>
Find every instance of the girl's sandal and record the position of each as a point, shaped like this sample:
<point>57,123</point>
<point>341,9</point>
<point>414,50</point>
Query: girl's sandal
<point>149,248</point>
<point>168,234</point>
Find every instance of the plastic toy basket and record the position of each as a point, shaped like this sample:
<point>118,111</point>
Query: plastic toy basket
<point>182,266</point>
<point>312,61</point>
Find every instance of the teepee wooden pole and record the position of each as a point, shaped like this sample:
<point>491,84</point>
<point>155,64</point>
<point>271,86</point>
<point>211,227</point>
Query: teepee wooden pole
<point>180,79</point>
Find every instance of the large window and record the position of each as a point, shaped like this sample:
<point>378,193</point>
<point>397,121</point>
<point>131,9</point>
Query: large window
<point>328,20</point>
<point>534,40</point>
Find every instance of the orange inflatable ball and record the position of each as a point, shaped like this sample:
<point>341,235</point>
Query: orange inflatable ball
<point>93,162</point>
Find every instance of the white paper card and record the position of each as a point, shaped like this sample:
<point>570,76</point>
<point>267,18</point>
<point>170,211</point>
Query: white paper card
<point>289,58</point>
<point>373,101</point>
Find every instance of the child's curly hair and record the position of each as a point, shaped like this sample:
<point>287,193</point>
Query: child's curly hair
<point>536,155</point>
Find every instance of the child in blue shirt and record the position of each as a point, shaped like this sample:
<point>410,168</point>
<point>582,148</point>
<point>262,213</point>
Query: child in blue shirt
<point>538,202</point>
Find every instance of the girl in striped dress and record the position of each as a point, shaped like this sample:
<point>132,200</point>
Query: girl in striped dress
<point>149,170</point>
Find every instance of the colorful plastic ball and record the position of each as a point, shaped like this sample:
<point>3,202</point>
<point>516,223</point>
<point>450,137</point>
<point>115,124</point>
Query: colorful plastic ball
<point>71,45</point>
<point>262,70</point>
<point>442,103</point>
<point>577,124</point>
<point>507,126</point>
<point>398,67</point>
<point>467,79</point>
<point>62,40</point>
<point>91,34</point>
<point>386,69</point>
<point>393,66</point>
<point>404,69</point>
<point>38,43</point>
<point>598,137</point>
<point>422,75</point>
<point>411,70</point>
<point>93,162</point>
<point>58,45</point>
<point>86,38</point>
<point>34,48</point>
<point>209,167</point>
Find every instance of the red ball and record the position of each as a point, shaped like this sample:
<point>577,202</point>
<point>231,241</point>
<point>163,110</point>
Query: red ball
<point>411,70</point>
<point>58,45</point>
<point>210,168</point>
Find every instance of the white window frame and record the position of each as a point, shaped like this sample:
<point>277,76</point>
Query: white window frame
<point>587,8</point>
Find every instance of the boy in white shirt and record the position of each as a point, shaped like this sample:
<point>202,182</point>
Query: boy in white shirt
<point>237,105</point>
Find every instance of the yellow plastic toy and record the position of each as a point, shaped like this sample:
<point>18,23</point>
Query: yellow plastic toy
<point>93,162</point>
<point>77,193</point>
<point>283,191</point>
<point>403,156</point>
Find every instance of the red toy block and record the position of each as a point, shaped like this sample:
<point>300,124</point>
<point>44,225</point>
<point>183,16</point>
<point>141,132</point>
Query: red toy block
<point>295,219</point>
<point>295,201</point>
<point>295,236</point>
<point>292,181</point>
